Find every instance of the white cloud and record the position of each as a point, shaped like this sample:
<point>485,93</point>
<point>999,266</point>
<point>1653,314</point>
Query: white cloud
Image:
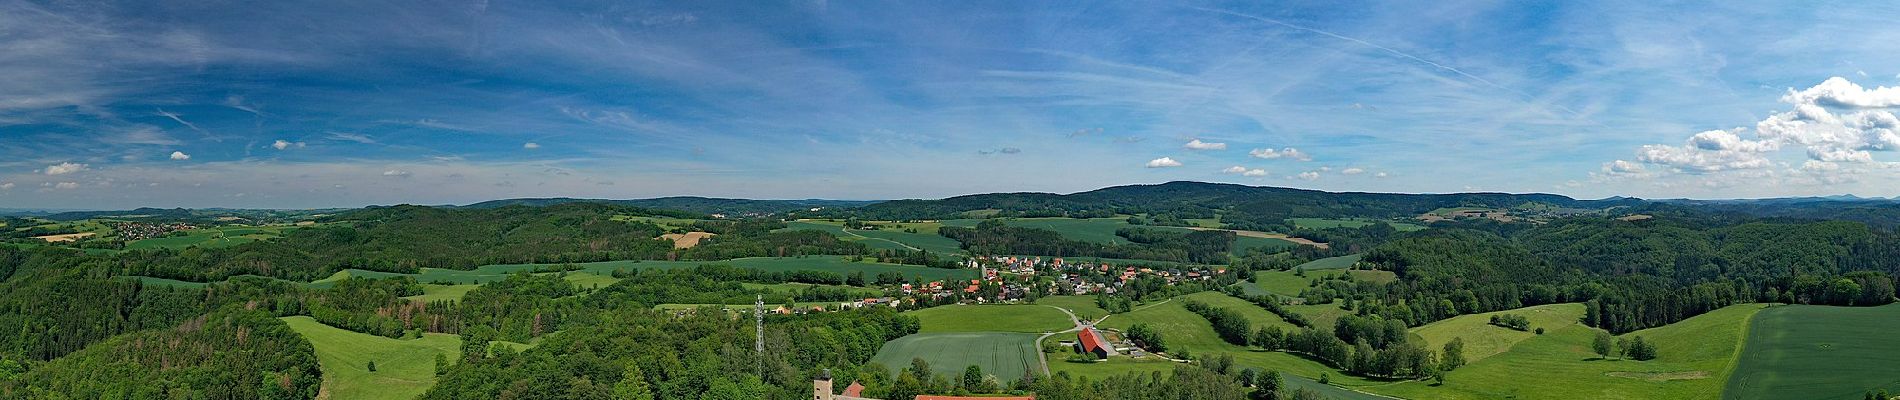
<point>1835,121</point>
<point>6,186</point>
<point>1234,170</point>
<point>281,144</point>
<point>64,168</point>
<point>1352,171</point>
<point>66,185</point>
<point>531,145</point>
<point>1256,172</point>
<point>1197,144</point>
<point>1163,162</point>
<point>396,173</point>
<point>1380,175</point>
<point>1289,152</point>
<point>180,156</point>
<point>1839,92</point>
<point>1308,175</point>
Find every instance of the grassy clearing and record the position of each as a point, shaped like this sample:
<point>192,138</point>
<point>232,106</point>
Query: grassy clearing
<point>588,280</point>
<point>1484,340</point>
<point>1082,306</point>
<point>404,368</point>
<point>433,292</point>
<point>1340,262</point>
<point>1005,355</point>
<point>1287,283</point>
<point>1694,357</point>
<point>663,222</point>
<point>991,318</point>
<point>1328,223</point>
<point>1818,352</point>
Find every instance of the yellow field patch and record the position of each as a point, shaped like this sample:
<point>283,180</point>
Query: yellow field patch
<point>686,240</point>
<point>64,238</point>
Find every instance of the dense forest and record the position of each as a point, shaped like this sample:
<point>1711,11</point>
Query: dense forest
<point>1174,245</point>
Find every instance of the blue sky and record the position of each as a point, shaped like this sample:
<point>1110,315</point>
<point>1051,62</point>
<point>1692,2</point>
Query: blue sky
<point>348,103</point>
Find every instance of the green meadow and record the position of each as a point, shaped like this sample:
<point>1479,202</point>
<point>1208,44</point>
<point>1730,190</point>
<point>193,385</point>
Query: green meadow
<point>1693,360</point>
<point>404,367</point>
<point>1082,306</point>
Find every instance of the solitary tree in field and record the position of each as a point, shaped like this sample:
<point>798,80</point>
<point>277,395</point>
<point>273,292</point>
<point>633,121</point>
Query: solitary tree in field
<point>372,366</point>
<point>1454,356</point>
<point>972,378</point>
<point>1602,344</point>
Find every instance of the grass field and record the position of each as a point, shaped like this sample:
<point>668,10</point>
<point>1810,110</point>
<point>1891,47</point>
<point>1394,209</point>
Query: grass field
<point>404,367</point>
<point>1327,223</point>
<point>1005,355</point>
<point>1109,369</point>
<point>1693,359</point>
<point>1082,306</point>
<point>1287,283</point>
<point>991,318</point>
<point>1340,262</point>
<point>433,292</point>
<point>1818,352</point>
<point>1484,340</point>
<point>789,287</point>
<point>588,280</point>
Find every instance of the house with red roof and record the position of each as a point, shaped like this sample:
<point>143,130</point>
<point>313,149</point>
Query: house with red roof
<point>1090,341</point>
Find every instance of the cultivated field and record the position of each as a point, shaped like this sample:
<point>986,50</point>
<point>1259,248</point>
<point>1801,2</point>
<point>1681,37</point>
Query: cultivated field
<point>1005,355</point>
<point>991,318</point>
<point>1819,352</point>
<point>404,367</point>
<point>686,240</point>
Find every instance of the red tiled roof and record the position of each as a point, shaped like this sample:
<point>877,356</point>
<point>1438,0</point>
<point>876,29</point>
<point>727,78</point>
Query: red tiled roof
<point>855,390</point>
<point>1090,339</point>
<point>929,397</point>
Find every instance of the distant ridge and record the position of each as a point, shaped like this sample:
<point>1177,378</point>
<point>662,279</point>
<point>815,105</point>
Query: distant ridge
<point>701,205</point>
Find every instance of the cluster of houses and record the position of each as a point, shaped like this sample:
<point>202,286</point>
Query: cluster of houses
<point>130,231</point>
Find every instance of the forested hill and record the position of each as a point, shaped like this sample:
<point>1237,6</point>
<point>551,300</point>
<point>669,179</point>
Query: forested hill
<point>1203,200</point>
<point>701,205</point>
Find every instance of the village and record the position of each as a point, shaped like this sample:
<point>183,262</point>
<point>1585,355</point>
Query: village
<point>1020,279</point>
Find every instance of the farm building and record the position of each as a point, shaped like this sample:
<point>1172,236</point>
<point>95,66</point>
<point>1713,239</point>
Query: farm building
<point>1090,341</point>
<point>821,390</point>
